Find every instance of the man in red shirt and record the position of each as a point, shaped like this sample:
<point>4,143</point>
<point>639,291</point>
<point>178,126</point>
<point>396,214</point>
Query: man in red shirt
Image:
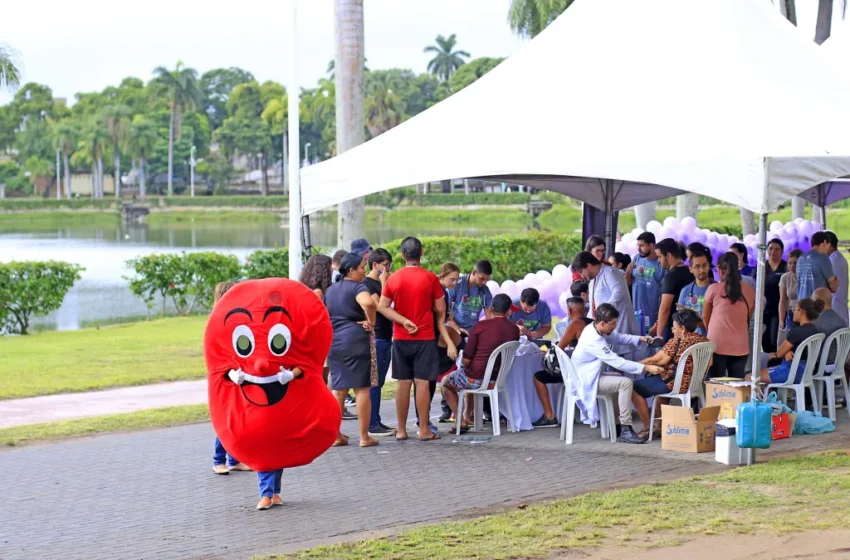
<point>484,338</point>
<point>410,298</point>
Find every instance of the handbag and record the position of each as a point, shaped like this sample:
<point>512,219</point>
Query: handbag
<point>550,362</point>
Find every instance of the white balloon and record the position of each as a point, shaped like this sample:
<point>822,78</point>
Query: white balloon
<point>637,231</point>
<point>560,271</point>
<point>562,302</point>
<point>799,221</point>
<point>671,223</point>
<point>529,277</point>
<point>495,289</point>
<point>689,224</point>
<point>775,226</point>
<point>653,226</point>
<point>619,247</point>
<point>511,289</point>
<point>543,276</point>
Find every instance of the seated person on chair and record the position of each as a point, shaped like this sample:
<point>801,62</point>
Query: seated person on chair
<point>531,315</point>
<point>806,312</point>
<point>685,323</point>
<point>828,321</point>
<point>593,352</point>
<point>484,338</point>
<point>575,307</point>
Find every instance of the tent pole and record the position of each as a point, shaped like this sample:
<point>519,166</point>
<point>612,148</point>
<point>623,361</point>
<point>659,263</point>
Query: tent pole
<point>757,318</point>
<point>295,248</point>
<point>609,217</point>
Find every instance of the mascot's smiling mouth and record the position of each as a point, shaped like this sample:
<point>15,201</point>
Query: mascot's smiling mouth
<point>262,391</point>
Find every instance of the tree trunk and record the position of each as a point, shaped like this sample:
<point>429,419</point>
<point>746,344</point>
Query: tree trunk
<point>264,162</point>
<point>101,187</point>
<point>2,191</point>
<point>824,21</point>
<point>66,157</point>
<point>171,153</point>
<point>644,213</point>
<point>748,222</point>
<point>798,208</point>
<point>687,205</point>
<point>350,117</point>
<point>94,179</point>
<point>117,173</point>
<point>142,179</point>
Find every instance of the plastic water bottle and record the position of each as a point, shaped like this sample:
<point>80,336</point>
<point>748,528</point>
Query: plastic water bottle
<point>639,317</point>
<point>646,326</point>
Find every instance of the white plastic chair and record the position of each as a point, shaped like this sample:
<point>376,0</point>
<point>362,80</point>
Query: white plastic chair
<point>826,373</point>
<point>812,345</point>
<point>701,355</point>
<point>506,352</point>
<point>560,329</point>
<point>568,411</point>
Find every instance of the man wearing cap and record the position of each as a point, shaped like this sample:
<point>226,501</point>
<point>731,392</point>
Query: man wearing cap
<point>361,247</point>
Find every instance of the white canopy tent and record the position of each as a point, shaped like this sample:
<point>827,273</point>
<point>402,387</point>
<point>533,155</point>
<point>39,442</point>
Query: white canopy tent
<point>621,102</point>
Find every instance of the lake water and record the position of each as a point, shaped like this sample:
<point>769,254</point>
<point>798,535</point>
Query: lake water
<point>102,296</point>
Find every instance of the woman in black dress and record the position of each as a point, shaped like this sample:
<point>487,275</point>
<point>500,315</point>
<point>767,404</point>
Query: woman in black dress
<point>352,358</point>
<point>774,268</point>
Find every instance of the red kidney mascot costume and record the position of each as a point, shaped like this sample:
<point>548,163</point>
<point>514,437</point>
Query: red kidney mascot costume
<point>265,344</point>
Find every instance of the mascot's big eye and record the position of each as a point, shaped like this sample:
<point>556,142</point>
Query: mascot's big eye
<point>243,341</point>
<point>279,339</point>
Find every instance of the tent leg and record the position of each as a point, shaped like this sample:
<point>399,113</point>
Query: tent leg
<point>757,318</point>
<point>306,238</point>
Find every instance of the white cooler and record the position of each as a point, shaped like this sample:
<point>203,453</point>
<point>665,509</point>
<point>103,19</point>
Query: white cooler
<point>726,448</point>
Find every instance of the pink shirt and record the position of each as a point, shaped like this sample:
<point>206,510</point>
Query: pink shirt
<point>729,326</point>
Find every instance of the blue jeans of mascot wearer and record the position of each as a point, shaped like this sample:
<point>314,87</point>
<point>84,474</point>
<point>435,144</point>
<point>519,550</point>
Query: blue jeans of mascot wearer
<point>383,351</point>
<point>269,482</point>
<point>220,455</point>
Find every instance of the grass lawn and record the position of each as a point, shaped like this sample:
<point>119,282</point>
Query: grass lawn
<point>210,216</point>
<point>805,493</point>
<point>155,418</point>
<point>91,359</point>
<point>14,221</point>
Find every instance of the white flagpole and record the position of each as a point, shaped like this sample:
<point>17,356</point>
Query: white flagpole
<point>295,248</point>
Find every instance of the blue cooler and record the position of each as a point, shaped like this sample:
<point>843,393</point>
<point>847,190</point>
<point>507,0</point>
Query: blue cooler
<point>755,427</point>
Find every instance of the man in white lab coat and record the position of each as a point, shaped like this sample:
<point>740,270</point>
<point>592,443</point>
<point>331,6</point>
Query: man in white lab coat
<point>593,352</point>
<point>608,285</point>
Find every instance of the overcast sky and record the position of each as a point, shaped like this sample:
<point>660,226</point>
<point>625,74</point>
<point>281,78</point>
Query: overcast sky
<point>87,45</point>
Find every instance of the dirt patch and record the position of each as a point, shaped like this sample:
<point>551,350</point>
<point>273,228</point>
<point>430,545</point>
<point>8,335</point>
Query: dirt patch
<point>812,544</point>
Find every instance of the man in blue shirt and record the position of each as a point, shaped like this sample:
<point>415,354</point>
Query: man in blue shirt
<point>692,296</point>
<point>814,269</point>
<point>531,315</point>
<point>471,296</point>
<point>644,275</point>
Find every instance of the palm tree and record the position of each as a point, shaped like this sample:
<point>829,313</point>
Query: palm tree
<point>384,109</point>
<point>350,122</point>
<point>181,87</point>
<point>527,18</point>
<point>117,121</point>
<point>446,60</point>
<point>10,74</point>
<point>141,139</point>
<point>65,138</point>
<point>94,141</point>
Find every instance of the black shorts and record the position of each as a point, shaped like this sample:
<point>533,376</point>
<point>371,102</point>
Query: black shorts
<point>548,378</point>
<point>415,359</point>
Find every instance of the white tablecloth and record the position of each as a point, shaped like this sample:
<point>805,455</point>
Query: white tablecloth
<point>525,403</point>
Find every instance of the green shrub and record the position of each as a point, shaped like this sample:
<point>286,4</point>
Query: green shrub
<point>272,263</point>
<point>21,204</point>
<point>32,288</point>
<point>513,255</point>
<point>187,278</point>
<point>736,231</point>
<point>468,199</point>
<point>230,201</point>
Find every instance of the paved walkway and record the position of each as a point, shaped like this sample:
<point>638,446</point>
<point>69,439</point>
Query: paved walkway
<point>152,494</point>
<point>67,406</point>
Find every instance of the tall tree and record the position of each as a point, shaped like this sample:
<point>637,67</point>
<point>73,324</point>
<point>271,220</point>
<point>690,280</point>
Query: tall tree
<point>216,87</point>
<point>141,140</point>
<point>528,18</point>
<point>471,71</point>
<point>245,131</point>
<point>10,74</point>
<point>350,122</point>
<point>180,87</point>
<point>117,121</point>
<point>384,107</point>
<point>65,139</point>
<point>95,139</point>
<point>446,60</point>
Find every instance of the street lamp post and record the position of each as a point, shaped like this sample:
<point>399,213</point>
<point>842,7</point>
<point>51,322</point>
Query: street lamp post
<point>192,171</point>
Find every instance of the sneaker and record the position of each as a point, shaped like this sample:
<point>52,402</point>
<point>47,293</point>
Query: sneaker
<point>349,401</point>
<point>239,467</point>
<point>347,415</point>
<point>264,503</point>
<point>627,435</point>
<point>380,431</point>
<point>619,429</point>
<point>384,426</point>
<point>445,418</point>
<point>220,469</point>
<point>544,422</point>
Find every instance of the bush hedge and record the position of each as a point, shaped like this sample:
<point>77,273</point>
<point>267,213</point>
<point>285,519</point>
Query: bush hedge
<point>22,204</point>
<point>31,288</point>
<point>230,201</point>
<point>467,199</point>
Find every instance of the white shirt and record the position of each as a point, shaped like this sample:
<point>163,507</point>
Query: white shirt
<point>839,298</point>
<point>592,352</point>
<point>610,287</point>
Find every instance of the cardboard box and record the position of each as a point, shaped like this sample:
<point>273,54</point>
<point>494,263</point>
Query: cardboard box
<point>682,430</point>
<point>727,394</point>
<point>781,426</point>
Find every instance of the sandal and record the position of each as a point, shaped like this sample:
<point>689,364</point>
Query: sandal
<point>371,442</point>
<point>401,438</point>
<point>341,440</point>
<point>432,438</point>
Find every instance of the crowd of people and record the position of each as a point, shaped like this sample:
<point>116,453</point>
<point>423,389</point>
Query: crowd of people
<point>634,316</point>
